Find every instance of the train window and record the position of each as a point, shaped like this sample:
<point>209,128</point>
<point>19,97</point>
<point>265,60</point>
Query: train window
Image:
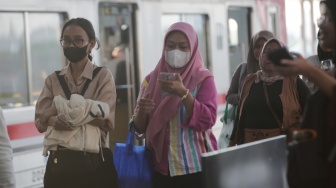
<point>13,74</point>
<point>308,26</point>
<point>29,51</point>
<point>273,17</point>
<point>233,32</point>
<point>200,24</point>
<point>295,40</point>
<point>46,53</point>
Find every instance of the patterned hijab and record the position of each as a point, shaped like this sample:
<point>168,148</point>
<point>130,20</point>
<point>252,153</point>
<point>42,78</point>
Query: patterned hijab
<point>166,107</point>
<point>252,62</point>
<point>262,74</point>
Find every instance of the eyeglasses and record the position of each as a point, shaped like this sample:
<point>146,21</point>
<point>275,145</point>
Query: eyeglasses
<point>65,43</point>
<point>323,20</point>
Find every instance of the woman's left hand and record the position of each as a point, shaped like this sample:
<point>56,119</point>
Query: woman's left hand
<point>174,87</point>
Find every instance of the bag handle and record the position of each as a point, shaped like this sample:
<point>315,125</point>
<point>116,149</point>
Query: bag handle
<point>271,109</point>
<point>130,139</point>
<point>130,135</point>
<point>226,112</point>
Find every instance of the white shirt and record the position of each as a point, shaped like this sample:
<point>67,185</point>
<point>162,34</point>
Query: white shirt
<point>7,179</point>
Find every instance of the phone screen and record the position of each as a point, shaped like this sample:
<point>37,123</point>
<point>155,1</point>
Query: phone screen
<point>167,76</point>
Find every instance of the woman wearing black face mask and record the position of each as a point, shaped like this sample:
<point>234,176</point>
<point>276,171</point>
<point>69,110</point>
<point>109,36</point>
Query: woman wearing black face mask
<point>76,109</point>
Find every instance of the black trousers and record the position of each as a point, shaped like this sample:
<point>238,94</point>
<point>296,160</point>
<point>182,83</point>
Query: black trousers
<point>68,168</point>
<point>184,181</point>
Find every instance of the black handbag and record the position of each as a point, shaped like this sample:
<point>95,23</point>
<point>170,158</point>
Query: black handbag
<point>107,176</point>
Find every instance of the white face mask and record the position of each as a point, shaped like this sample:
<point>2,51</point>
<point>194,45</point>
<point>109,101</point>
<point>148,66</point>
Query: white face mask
<point>177,58</point>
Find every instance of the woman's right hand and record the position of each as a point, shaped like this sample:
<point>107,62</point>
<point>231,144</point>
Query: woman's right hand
<point>294,67</point>
<point>59,124</point>
<point>146,104</point>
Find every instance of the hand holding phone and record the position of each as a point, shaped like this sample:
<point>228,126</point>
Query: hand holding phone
<point>277,55</point>
<point>167,76</point>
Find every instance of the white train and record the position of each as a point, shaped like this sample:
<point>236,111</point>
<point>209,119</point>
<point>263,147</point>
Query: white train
<point>131,34</point>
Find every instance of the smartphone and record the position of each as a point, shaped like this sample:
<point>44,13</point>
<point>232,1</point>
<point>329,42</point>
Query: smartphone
<point>167,76</point>
<point>277,55</point>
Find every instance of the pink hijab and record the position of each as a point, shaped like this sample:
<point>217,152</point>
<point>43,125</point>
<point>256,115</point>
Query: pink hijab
<point>165,107</point>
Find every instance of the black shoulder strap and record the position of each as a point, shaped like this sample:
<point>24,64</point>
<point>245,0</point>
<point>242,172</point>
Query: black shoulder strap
<point>65,87</point>
<point>95,72</point>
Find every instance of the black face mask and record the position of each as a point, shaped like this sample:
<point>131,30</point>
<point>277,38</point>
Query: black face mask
<point>74,54</point>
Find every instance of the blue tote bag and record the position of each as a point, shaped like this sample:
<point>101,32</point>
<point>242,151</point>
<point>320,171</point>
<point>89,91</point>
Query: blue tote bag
<point>133,163</point>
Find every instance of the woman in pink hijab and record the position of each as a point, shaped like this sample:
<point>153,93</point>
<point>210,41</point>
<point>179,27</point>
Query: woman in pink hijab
<point>177,115</point>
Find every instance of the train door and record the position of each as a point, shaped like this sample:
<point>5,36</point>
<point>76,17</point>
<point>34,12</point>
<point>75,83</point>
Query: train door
<point>239,35</point>
<point>117,54</point>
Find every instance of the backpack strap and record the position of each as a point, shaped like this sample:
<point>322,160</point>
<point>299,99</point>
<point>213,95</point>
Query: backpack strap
<point>65,86</point>
<point>95,72</point>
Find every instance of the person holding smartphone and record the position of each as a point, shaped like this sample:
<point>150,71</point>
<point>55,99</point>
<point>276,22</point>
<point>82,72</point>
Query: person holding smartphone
<point>271,104</point>
<point>177,125</point>
<point>313,164</point>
